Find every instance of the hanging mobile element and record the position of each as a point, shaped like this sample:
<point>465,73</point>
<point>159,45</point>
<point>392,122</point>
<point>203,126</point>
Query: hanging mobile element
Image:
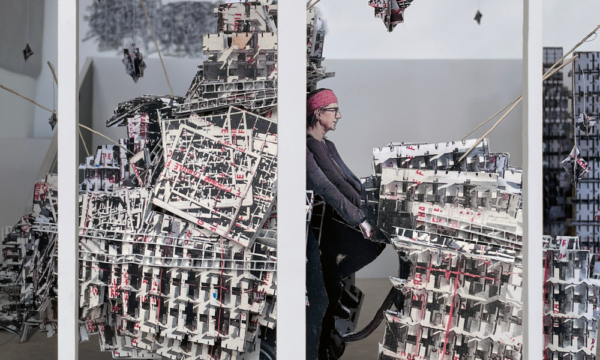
<point>478,17</point>
<point>390,11</point>
<point>52,120</point>
<point>585,122</point>
<point>134,62</point>
<point>27,52</point>
<point>576,167</point>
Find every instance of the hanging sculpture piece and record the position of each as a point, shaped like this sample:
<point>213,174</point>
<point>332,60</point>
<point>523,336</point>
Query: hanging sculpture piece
<point>178,244</point>
<point>585,122</point>
<point>390,11</point>
<point>134,62</point>
<point>27,52</point>
<point>576,167</point>
<point>478,17</point>
<point>53,120</point>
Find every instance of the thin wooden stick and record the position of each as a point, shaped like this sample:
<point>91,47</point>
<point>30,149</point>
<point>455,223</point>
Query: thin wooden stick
<point>490,130</point>
<point>53,72</point>
<point>546,76</point>
<point>313,4</point>
<point>83,141</point>
<point>106,137</point>
<point>491,117</point>
<point>26,98</point>
<point>157,48</point>
<point>548,73</point>
<point>55,113</point>
<point>576,46</point>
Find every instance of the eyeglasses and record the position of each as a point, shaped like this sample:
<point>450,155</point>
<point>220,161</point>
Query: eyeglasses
<point>337,110</point>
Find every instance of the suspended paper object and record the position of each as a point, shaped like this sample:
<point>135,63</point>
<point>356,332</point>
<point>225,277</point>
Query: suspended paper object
<point>585,122</point>
<point>134,62</point>
<point>478,17</point>
<point>52,121</point>
<point>27,52</point>
<point>391,12</point>
<point>576,167</point>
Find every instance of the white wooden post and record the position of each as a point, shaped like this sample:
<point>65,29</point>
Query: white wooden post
<point>68,245</point>
<point>533,274</point>
<point>291,307</point>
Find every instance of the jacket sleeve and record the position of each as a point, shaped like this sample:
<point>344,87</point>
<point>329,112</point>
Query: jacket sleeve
<point>318,182</point>
<point>335,175</point>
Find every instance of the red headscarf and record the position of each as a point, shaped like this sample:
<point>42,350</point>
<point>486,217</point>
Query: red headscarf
<point>320,99</point>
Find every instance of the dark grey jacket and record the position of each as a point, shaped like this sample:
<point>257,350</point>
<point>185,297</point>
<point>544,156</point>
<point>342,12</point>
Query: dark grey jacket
<point>329,163</point>
<point>336,193</point>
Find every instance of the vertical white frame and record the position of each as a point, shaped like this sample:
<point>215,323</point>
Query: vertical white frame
<point>68,244</point>
<point>533,274</point>
<point>291,194</point>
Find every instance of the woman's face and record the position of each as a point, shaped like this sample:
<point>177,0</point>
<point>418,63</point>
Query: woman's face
<point>328,116</point>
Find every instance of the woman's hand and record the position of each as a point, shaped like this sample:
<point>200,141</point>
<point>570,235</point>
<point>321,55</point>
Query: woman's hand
<point>366,229</point>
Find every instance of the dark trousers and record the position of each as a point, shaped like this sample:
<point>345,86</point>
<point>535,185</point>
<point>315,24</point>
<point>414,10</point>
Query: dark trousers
<point>317,297</point>
<point>344,251</point>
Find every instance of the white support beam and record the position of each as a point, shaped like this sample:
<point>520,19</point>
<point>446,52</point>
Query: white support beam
<point>533,274</point>
<point>291,251</point>
<point>68,247</point>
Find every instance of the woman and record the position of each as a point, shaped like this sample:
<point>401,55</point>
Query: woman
<point>344,249</point>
